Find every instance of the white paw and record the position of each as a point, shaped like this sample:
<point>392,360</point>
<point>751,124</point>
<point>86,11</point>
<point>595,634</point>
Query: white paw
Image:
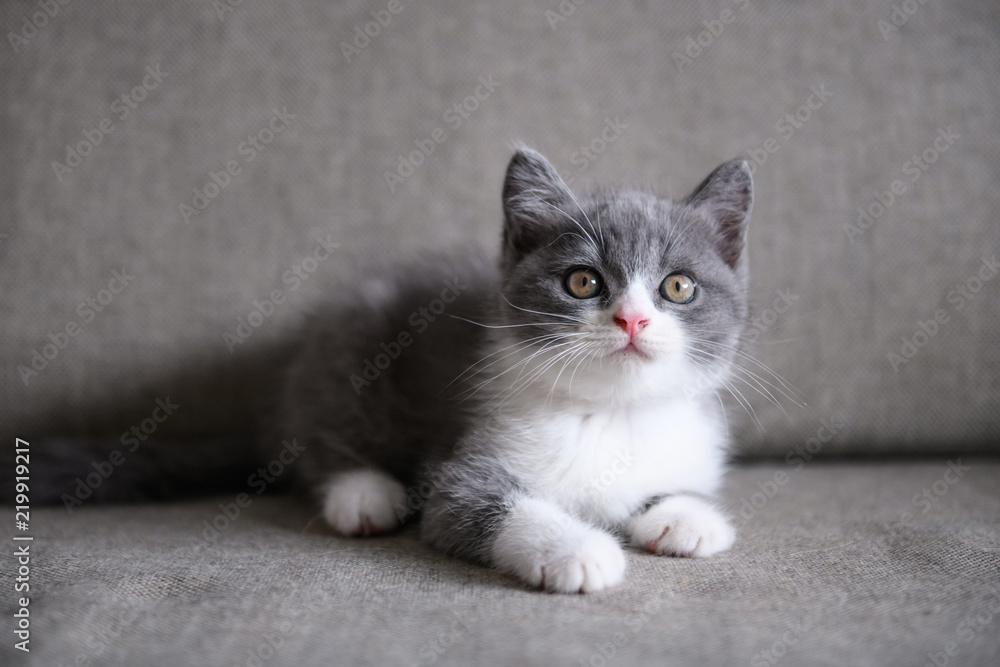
<point>682,526</point>
<point>362,502</point>
<point>583,563</point>
<point>549,549</point>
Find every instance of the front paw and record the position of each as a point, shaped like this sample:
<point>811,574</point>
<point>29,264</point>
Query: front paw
<point>548,549</point>
<point>584,563</point>
<point>681,526</point>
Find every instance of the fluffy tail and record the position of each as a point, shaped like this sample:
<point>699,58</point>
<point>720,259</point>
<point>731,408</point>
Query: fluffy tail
<point>78,472</point>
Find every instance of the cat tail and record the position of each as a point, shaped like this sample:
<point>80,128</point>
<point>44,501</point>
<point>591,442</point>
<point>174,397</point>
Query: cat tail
<point>76,472</point>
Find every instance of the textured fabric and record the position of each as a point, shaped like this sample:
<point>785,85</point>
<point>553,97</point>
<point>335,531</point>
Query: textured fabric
<point>623,92</point>
<point>838,564</point>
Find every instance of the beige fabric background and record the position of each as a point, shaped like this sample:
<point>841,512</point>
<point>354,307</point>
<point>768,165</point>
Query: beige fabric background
<point>839,556</point>
<point>556,85</point>
<point>827,551</point>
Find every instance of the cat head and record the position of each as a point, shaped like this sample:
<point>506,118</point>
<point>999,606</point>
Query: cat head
<point>621,295</point>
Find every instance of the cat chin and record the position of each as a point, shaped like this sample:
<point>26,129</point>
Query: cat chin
<point>651,382</point>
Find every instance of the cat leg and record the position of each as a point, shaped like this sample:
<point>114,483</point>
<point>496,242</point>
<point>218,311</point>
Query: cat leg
<point>363,502</point>
<point>681,526</point>
<point>546,547</point>
<point>479,512</point>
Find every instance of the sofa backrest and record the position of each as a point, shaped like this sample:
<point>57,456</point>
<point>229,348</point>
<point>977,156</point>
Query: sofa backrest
<point>165,167</point>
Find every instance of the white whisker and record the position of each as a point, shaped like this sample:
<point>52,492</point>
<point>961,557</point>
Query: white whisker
<point>522,343</point>
<point>510,326</point>
<point>578,320</point>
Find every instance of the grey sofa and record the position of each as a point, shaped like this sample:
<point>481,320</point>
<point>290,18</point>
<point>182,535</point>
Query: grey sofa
<point>166,165</point>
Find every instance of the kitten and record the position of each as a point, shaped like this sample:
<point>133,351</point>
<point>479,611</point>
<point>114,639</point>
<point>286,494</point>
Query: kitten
<point>539,413</point>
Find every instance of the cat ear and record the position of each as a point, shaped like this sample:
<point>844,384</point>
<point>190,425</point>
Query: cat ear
<point>533,195</point>
<point>726,197</point>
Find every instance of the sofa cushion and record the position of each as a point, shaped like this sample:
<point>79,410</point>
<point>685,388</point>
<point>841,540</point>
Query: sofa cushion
<point>881,564</point>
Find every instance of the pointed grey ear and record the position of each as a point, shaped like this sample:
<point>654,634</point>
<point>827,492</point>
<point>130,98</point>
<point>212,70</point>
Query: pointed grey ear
<point>533,195</point>
<point>726,197</point>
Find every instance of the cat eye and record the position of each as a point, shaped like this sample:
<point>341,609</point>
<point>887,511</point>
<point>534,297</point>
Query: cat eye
<point>677,288</point>
<point>583,283</point>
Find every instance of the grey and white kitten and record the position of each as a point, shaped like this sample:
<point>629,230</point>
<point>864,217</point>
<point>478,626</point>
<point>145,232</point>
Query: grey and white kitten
<point>539,413</point>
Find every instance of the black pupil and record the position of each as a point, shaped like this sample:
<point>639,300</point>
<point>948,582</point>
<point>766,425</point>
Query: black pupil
<point>677,285</point>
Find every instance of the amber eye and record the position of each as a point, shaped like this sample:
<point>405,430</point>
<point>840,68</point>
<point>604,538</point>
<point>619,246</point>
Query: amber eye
<point>583,283</point>
<point>678,288</point>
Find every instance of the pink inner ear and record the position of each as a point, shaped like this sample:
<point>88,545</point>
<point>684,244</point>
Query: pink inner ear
<point>726,196</point>
<point>732,246</point>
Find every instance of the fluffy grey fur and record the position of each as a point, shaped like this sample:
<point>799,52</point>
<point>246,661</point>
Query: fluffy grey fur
<point>405,417</point>
<point>427,418</point>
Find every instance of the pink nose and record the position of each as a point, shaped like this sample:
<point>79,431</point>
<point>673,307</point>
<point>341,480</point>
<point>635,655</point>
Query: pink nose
<point>631,323</point>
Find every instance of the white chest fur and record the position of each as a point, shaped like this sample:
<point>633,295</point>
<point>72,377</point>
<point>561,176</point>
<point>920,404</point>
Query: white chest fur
<point>601,465</point>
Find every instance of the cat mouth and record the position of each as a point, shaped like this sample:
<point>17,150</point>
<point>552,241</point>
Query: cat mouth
<point>632,351</point>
